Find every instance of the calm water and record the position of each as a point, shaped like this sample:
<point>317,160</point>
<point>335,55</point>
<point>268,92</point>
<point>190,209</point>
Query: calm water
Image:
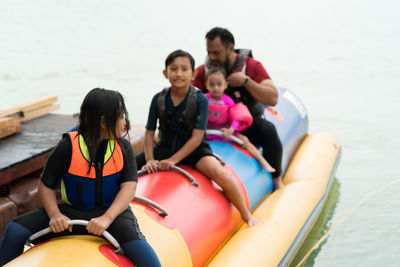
<point>341,57</point>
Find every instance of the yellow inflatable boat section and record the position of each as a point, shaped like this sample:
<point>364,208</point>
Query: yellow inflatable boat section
<point>287,214</point>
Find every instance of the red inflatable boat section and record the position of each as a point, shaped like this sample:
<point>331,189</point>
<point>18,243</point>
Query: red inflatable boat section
<point>202,215</point>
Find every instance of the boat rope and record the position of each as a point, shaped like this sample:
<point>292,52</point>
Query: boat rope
<point>348,213</point>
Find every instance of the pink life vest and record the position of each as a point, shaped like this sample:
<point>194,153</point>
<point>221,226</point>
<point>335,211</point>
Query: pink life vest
<point>221,116</point>
<point>239,112</point>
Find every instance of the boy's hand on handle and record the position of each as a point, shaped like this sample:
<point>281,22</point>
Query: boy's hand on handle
<point>227,132</point>
<point>166,164</point>
<point>151,166</point>
<point>98,225</point>
<point>59,223</point>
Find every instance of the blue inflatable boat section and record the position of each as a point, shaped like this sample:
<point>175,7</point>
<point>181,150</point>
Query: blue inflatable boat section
<point>258,183</point>
<point>291,121</point>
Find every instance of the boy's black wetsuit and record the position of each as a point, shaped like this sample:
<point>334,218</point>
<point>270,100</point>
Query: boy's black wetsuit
<point>177,124</point>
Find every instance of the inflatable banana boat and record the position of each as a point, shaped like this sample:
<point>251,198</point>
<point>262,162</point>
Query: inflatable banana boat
<point>189,222</point>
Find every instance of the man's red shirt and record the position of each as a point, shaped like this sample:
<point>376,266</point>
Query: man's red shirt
<point>254,69</point>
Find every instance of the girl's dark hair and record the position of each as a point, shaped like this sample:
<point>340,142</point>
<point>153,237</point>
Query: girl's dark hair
<point>179,53</point>
<point>224,34</point>
<point>214,70</point>
<point>97,104</point>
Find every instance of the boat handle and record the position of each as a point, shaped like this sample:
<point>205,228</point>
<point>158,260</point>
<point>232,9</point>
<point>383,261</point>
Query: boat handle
<point>219,158</point>
<point>232,137</point>
<point>162,212</point>
<point>177,169</point>
<point>107,235</point>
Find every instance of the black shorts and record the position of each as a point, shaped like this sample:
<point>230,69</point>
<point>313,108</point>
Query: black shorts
<point>124,228</point>
<point>161,153</point>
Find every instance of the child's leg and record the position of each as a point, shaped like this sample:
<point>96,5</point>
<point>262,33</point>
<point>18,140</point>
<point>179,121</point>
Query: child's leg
<point>125,229</point>
<point>141,253</point>
<point>210,167</point>
<point>13,242</point>
<point>254,151</point>
<point>18,231</point>
<point>263,133</point>
<point>140,160</point>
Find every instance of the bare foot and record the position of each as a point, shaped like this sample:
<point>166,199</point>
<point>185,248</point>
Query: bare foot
<point>253,221</point>
<point>267,167</point>
<point>277,183</point>
<point>250,220</point>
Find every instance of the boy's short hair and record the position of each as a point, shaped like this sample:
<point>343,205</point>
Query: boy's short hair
<point>224,34</point>
<point>214,70</point>
<point>179,53</point>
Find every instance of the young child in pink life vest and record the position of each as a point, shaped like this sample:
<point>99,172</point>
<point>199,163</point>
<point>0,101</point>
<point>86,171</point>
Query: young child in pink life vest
<point>227,116</point>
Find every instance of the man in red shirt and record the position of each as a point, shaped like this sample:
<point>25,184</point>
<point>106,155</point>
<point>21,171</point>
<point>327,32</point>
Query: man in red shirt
<point>250,84</point>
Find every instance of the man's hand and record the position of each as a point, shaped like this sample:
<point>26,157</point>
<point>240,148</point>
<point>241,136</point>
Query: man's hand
<point>236,79</point>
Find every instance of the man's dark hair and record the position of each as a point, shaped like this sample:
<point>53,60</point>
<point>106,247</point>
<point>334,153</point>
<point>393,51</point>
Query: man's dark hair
<point>179,53</point>
<point>224,34</point>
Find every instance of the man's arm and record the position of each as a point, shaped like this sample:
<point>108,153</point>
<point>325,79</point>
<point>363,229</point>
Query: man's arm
<point>264,92</point>
<point>198,80</point>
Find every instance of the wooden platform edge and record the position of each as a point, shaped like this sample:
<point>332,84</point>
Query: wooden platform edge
<point>10,119</point>
<point>29,106</point>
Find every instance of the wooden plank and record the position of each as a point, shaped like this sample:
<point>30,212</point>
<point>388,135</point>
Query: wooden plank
<point>30,106</point>
<point>12,122</point>
<point>8,121</point>
<point>39,112</point>
<point>27,115</point>
<point>9,126</point>
<point>10,130</point>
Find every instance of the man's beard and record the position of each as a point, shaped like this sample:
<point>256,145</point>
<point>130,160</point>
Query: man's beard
<point>225,65</point>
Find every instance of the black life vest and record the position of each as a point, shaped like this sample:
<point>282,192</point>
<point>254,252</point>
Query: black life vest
<point>187,118</point>
<point>240,94</point>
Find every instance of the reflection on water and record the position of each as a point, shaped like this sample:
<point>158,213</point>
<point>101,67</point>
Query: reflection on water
<point>321,226</point>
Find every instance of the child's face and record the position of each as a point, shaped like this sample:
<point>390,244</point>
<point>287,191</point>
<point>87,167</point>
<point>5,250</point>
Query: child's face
<point>216,85</point>
<point>179,73</point>
<point>120,128</point>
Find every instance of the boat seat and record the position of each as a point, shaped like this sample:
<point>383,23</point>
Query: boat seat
<point>8,211</point>
<point>24,193</point>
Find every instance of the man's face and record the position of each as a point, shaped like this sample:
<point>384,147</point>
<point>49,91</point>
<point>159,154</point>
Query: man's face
<point>218,54</point>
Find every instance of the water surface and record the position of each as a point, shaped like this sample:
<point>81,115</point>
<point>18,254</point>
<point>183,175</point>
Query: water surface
<point>340,57</point>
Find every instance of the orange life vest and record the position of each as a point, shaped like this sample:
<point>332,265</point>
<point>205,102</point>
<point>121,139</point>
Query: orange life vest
<point>98,187</point>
